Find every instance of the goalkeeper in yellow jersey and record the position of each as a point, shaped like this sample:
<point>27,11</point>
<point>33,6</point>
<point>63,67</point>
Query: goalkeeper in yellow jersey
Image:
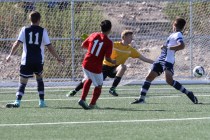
<point>122,50</point>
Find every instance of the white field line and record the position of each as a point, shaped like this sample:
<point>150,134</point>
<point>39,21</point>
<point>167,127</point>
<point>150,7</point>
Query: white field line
<point>104,89</point>
<point>104,98</point>
<point>103,122</point>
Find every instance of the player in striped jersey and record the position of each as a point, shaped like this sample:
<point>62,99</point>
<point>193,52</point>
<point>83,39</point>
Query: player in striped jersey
<point>33,38</point>
<point>165,63</point>
<point>122,50</point>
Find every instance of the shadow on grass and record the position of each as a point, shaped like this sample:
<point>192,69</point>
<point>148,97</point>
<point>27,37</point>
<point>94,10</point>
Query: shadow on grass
<point>203,103</point>
<point>129,109</point>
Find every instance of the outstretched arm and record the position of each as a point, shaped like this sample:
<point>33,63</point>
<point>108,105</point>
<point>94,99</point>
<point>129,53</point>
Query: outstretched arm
<point>180,46</point>
<point>13,50</point>
<point>110,60</point>
<point>54,53</point>
<point>146,59</point>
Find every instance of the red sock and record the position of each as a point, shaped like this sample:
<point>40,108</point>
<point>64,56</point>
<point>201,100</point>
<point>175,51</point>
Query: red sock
<point>86,88</point>
<point>95,96</point>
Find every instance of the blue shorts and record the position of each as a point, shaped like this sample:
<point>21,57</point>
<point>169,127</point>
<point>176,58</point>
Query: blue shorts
<point>160,67</point>
<point>27,71</point>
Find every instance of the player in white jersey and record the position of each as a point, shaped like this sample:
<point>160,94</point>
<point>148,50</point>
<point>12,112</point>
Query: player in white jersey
<point>165,63</point>
<point>34,38</point>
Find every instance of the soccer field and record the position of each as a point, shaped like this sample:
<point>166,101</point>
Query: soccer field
<point>167,115</point>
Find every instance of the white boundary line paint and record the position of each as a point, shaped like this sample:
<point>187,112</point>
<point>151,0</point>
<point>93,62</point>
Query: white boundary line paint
<point>105,98</point>
<point>102,122</point>
<point>105,89</point>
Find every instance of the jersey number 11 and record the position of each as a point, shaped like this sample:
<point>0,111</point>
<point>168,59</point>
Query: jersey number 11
<point>36,39</point>
<point>96,42</point>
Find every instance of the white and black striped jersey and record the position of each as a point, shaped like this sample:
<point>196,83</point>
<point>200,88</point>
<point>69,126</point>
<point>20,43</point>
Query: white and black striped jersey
<point>34,38</point>
<point>168,55</point>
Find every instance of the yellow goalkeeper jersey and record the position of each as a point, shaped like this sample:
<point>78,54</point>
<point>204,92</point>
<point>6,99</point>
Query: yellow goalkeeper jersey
<point>121,53</point>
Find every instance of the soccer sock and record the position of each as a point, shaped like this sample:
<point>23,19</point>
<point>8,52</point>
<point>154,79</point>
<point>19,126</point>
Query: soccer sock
<point>95,96</point>
<point>79,86</point>
<point>20,91</point>
<point>145,87</point>
<point>40,88</point>
<point>179,87</point>
<point>116,82</point>
<point>86,88</point>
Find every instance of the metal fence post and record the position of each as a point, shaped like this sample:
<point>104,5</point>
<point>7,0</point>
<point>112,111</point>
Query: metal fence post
<point>191,37</point>
<point>72,40</point>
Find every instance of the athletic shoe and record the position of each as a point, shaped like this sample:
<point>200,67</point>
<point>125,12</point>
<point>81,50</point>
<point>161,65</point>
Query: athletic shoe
<point>94,106</point>
<point>138,101</point>
<point>113,92</point>
<point>42,104</point>
<point>83,104</point>
<point>16,104</point>
<point>191,96</point>
<point>71,93</point>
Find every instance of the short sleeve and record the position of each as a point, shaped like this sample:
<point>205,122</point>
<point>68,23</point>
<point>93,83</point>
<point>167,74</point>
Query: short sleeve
<point>46,39</point>
<point>179,37</point>
<point>135,53</point>
<point>21,36</point>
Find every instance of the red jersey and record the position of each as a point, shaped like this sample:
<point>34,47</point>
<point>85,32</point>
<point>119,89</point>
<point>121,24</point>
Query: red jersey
<point>98,46</point>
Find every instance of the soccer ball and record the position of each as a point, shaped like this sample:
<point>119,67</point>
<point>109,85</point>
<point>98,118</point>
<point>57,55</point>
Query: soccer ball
<point>198,71</point>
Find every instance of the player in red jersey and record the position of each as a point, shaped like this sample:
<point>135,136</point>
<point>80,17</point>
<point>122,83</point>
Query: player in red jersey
<point>99,47</point>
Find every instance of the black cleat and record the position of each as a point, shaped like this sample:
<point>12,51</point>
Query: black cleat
<point>138,101</point>
<point>191,96</point>
<point>71,93</point>
<point>12,105</point>
<point>83,104</point>
<point>113,92</point>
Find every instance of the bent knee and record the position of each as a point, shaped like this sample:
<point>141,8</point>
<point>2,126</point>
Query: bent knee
<point>99,86</point>
<point>169,81</point>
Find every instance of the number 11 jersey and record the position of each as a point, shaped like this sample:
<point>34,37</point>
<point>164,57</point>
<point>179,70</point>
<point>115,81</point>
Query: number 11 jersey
<point>34,38</point>
<point>98,46</point>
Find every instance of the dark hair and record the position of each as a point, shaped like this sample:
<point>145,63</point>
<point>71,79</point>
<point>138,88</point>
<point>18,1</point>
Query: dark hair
<point>34,16</point>
<point>180,23</point>
<point>106,25</point>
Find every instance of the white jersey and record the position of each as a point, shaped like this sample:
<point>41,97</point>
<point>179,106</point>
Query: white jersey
<point>168,55</point>
<point>34,38</point>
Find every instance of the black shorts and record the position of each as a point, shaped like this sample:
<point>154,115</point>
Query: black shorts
<point>109,71</point>
<point>159,67</point>
<point>27,71</point>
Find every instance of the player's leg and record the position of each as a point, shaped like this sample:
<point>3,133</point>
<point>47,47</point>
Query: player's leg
<point>86,88</point>
<point>78,88</point>
<point>19,94</point>
<point>40,89</point>
<point>97,82</point>
<point>178,86</point>
<point>38,69</point>
<point>25,73</point>
<point>120,70</point>
<point>155,72</point>
<point>95,95</point>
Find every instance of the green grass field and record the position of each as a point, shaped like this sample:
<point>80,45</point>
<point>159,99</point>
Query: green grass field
<point>167,115</point>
